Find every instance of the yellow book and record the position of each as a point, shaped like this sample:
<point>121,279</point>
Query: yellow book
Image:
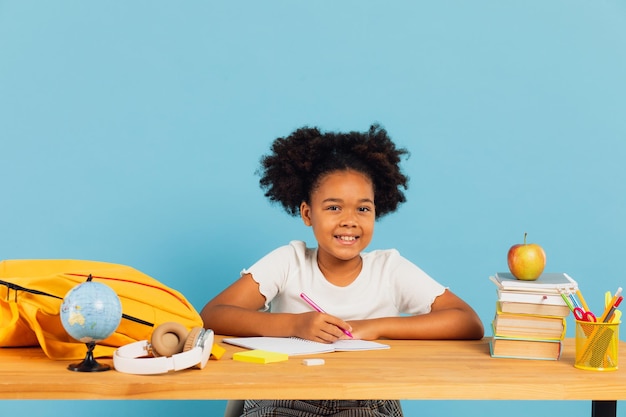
<point>531,326</point>
<point>539,309</point>
<point>260,356</point>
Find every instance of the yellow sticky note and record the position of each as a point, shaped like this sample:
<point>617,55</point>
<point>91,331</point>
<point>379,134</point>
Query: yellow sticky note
<point>217,351</point>
<point>260,356</point>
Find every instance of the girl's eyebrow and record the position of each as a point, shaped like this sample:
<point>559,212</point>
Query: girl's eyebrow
<point>339,200</point>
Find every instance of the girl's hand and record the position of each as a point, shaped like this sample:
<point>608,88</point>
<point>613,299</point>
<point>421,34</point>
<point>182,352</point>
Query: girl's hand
<point>320,327</point>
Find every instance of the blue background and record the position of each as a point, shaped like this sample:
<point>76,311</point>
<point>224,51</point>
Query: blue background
<point>131,130</point>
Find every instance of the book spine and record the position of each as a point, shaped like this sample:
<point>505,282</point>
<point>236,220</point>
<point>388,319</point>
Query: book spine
<point>525,334</point>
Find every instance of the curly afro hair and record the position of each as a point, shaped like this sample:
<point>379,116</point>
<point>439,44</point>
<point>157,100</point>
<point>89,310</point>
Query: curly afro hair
<point>296,163</point>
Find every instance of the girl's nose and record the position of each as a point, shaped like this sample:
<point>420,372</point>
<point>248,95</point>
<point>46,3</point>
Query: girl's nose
<point>349,220</point>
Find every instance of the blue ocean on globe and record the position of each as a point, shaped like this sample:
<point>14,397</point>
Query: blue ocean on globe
<point>91,312</point>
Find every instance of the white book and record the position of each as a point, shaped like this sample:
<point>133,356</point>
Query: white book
<point>548,282</point>
<point>530,297</point>
<point>295,346</point>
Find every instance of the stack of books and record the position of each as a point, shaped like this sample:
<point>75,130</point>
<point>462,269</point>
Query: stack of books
<point>530,319</point>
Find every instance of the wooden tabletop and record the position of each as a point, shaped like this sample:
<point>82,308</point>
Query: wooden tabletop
<point>409,370</point>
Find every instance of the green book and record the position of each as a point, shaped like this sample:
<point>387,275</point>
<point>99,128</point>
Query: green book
<point>521,348</point>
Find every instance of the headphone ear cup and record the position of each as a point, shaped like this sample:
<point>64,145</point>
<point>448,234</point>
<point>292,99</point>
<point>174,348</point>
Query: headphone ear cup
<point>192,339</point>
<point>168,339</point>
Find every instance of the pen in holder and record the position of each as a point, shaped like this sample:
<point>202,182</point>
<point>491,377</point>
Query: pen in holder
<point>597,345</point>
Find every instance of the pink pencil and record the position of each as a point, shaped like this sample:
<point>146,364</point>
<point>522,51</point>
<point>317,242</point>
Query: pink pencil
<point>321,310</point>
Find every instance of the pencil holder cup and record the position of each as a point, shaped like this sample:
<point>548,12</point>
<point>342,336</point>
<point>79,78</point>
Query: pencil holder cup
<point>596,345</point>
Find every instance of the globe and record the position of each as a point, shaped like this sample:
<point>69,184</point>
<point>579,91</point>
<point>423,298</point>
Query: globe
<point>90,312</point>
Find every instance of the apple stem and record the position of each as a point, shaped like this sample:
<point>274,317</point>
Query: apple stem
<point>525,233</point>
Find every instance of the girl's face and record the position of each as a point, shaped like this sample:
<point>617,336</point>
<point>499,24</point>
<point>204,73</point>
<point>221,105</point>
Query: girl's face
<point>342,215</point>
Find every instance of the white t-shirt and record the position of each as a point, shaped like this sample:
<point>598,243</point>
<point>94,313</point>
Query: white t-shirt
<point>389,285</point>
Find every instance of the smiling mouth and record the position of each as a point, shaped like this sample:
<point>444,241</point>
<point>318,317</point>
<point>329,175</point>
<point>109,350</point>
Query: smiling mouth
<point>347,238</point>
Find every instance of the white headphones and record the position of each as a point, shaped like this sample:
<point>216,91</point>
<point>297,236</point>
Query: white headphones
<point>171,348</point>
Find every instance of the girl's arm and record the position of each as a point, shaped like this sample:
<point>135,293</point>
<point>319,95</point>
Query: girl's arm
<point>236,311</point>
<point>450,318</point>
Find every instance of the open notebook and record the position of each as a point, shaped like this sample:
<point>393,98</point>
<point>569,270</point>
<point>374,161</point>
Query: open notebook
<point>294,346</point>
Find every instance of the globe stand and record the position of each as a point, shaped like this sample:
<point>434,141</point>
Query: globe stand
<point>89,364</point>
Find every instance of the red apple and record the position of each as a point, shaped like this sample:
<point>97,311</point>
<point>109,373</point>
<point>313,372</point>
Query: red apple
<point>526,260</point>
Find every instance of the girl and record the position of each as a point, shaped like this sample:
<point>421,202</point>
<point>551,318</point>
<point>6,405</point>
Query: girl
<point>339,184</point>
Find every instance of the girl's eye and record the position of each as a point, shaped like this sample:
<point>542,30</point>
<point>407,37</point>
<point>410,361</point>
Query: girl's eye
<point>332,208</point>
<point>365,209</point>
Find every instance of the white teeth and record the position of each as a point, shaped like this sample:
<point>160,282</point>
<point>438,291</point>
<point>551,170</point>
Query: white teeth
<point>347,238</point>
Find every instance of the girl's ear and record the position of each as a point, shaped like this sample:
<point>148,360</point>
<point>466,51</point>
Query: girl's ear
<point>305,213</point>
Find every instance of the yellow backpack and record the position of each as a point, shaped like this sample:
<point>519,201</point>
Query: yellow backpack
<point>31,293</point>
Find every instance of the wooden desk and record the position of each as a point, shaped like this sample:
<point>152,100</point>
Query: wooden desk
<point>441,370</point>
